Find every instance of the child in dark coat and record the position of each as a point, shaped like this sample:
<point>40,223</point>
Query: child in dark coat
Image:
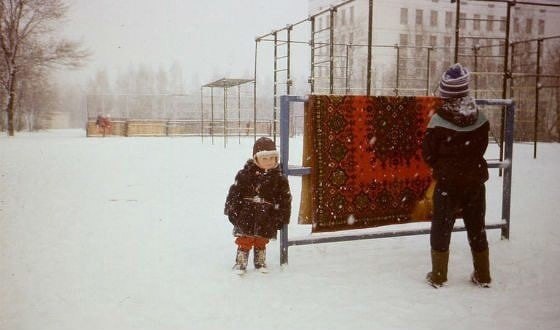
<point>454,146</point>
<point>258,204</point>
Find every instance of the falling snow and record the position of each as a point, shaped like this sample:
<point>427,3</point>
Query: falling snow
<point>71,258</point>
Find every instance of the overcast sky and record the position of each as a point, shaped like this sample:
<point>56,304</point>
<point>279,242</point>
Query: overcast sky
<point>207,37</point>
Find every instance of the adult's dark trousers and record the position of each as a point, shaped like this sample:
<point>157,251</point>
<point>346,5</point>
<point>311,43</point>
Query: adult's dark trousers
<point>452,200</point>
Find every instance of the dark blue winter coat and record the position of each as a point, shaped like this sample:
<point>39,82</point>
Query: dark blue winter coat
<point>455,142</point>
<point>259,201</point>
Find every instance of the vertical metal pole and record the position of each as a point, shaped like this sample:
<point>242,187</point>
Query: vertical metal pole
<point>212,113</point>
<point>428,72</point>
<point>275,87</point>
<point>475,49</point>
<point>505,78</point>
<point>312,45</point>
<point>397,69</point>
<point>370,30</point>
<point>225,115</point>
<point>506,195</point>
<point>255,92</point>
<point>537,92</point>
<point>457,28</point>
<point>331,52</point>
<point>511,85</point>
<point>202,114</point>
<point>347,87</point>
<point>288,75</point>
<point>239,113</point>
<point>284,158</point>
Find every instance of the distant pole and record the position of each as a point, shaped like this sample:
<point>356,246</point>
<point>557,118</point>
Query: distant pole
<point>537,92</point>
<point>255,92</point>
<point>212,113</point>
<point>202,114</point>
<point>457,24</point>
<point>370,26</point>
<point>225,115</point>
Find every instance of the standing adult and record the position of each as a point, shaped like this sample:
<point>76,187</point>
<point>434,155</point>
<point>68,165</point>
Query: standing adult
<point>454,145</point>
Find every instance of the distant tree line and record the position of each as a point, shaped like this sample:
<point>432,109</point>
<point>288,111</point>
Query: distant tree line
<point>140,91</point>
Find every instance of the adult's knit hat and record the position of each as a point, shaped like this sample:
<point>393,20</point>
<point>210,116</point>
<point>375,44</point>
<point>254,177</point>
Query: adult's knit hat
<point>454,82</point>
<point>264,147</point>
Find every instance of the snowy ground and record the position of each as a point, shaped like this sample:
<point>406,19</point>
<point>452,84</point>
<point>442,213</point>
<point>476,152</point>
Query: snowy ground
<point>128,233</point>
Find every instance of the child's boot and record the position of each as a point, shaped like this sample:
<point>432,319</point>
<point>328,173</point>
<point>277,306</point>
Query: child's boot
<point>260,260</point>
<point>241,260</point>
<point>481,274</point>
<point>438,276</point>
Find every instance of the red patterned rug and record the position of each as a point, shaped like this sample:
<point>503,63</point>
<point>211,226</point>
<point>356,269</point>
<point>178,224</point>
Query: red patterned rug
<point>365,154</point>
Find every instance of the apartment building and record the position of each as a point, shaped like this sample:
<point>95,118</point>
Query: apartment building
<point>414,40</point>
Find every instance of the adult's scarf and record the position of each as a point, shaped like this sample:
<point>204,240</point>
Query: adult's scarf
<point>365,155</point>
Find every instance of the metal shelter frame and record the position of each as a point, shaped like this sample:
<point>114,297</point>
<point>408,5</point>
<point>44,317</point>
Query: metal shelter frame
<point>287,169</point>
<point>225,84</point>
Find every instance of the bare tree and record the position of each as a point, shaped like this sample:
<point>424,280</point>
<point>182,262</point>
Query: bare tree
<point>27,43</point>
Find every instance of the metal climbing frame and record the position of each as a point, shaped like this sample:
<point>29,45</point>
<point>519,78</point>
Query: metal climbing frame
<point>505,165</point>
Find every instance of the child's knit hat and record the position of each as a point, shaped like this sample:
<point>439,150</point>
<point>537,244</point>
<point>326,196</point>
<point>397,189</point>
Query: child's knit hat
<point>454,82</point>
<point>264,147</point>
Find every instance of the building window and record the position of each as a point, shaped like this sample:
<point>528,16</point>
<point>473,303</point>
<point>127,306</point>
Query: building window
<point>352,15</point>
<point>541,27</point>
<point>403,39</point>
<point>447,41</point>
<point>502,24</point>
<point>343,17</point>
<point>433,18</point>
<point>490,23</point>
<point>433,41</point>
<point>463,24</point>
<point>529,26</point>
<point>419,14</point>
<point>476,22</point>
<point>404,15</point>
<point>516,25</point>
<point>419,40</point>
<point>448,19</point>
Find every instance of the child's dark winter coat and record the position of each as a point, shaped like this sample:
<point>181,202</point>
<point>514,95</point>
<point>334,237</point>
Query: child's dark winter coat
<point>259,202</point>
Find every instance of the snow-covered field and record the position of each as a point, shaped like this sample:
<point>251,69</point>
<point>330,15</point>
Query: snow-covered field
<point>128,233</point>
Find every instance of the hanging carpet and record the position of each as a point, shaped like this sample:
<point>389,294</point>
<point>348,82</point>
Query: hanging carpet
<point>367,167</point>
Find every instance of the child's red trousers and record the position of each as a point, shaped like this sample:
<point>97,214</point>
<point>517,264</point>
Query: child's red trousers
<point>245,243</point>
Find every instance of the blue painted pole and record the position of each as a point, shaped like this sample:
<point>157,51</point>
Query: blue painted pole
<point>508,153</point>
<point>284,158</point>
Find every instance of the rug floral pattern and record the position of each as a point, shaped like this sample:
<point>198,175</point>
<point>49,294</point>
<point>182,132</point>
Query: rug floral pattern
<point>365,154</point>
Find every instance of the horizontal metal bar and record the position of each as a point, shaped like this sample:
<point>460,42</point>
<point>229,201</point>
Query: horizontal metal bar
<point>298,170</point>
<point>494,101</point>
<point>320,62</point>
<point>387,234</point>
<point>322,30</point>
<point>498,164</point>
